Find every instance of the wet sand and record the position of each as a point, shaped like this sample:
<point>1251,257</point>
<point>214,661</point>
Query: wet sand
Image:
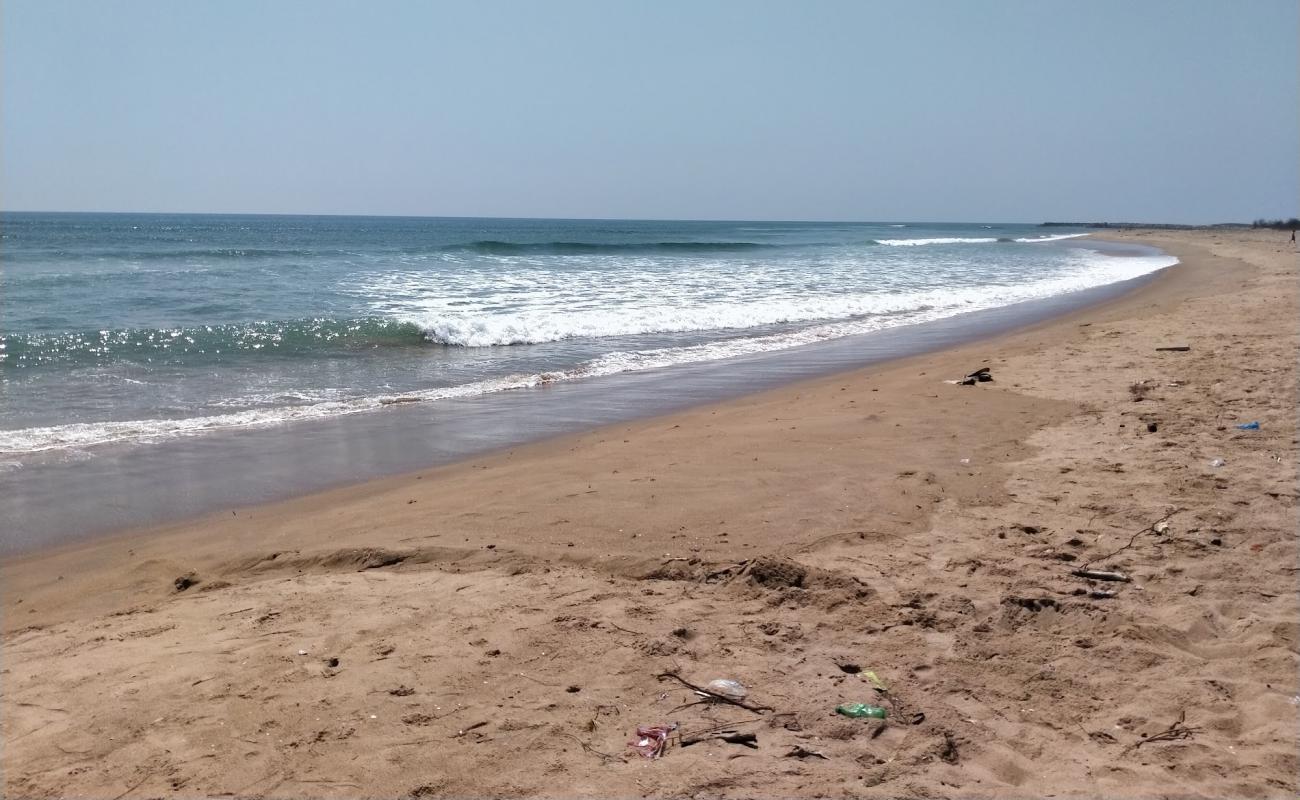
<point>499,626</point>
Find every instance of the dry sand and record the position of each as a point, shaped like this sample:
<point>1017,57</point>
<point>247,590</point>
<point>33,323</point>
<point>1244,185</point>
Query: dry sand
<point>499,626</point>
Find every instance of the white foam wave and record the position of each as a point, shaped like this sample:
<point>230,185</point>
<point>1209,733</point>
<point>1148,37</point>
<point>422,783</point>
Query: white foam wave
<point>936,240</point>
<point>1089,269</point>
<point>89,434</point>
<point>536,326</point>
<point>974,240</point>
<point>282,398</point>
<point>1052,238</point>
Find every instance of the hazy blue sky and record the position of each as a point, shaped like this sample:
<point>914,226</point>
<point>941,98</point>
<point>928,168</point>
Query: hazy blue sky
<point>981,111</point>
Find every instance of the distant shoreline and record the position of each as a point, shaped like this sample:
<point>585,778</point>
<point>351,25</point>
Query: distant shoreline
<point>1174,226</point>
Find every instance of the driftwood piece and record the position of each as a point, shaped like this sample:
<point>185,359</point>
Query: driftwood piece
<point>1182,348</point>
<point>1100,575</point>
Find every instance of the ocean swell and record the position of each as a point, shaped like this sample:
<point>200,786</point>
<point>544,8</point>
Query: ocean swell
<point>1092,270</point>
<point>152,345</point>
<point>492,247</point>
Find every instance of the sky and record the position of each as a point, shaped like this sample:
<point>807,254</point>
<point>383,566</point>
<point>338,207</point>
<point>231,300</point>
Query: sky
<point>923,110</point>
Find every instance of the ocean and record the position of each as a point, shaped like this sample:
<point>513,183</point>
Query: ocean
<point>121,333</point>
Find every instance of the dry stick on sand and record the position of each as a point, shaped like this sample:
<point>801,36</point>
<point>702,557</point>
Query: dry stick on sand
<point>135,785</point>
<point>1148,529</point>
<point>694,737</point>
<point>712,695</point>
<point>602,756</point>
<point>624,630</point>
<point>1175,731</point>
<point>1100,575</point>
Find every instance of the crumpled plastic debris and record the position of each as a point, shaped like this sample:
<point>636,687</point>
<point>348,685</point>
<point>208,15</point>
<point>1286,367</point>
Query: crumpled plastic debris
<point>651,740</point>
<point>725,687</point>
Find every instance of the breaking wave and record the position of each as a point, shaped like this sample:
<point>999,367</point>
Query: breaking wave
<point>862,315</point>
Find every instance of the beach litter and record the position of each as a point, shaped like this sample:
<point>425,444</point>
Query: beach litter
<point>981,375</point>
<point>726,692</point>
<point>1182,348</point>
<point>1249,426</point>
<point>728,688</point>
<point>185,581</point>
<point>652,740</point>
<point>799,751</point>
<point>861,710</point>
<point>1218,462</point>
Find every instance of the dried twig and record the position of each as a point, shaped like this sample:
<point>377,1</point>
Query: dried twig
<point>1175,731</point>
<point>712,695</point>
<point>624,630</point>
<point>469,728</point>
<point>326,781</point>
<point>1100,575</point>
<point>594,751</point>
<point>1148,529</point>
<point>749,740</point>
<point>695,736</point>
<point>135,785</point>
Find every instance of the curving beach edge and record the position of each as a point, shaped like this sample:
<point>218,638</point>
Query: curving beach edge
<point>1077,580</point>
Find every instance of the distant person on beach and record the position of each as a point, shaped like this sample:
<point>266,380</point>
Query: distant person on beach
<point>1293,235</point>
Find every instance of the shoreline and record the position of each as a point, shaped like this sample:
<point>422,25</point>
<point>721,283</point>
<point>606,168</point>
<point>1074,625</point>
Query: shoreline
<point>121,488</point>
<point>1156,286</point>
<point>877,519</point>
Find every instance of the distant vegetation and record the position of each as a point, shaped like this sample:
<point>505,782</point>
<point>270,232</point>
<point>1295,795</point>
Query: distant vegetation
<point>1158,225</point>
<point>1277,224</point>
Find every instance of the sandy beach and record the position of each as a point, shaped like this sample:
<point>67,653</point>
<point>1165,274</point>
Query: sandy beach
<point>500,627</point>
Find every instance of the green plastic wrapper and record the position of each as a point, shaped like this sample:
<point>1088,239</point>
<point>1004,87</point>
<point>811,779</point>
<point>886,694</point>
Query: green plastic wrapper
<point>861,710</point>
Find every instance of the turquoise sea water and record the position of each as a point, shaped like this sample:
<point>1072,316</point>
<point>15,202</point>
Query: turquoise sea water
<point>139,329</point>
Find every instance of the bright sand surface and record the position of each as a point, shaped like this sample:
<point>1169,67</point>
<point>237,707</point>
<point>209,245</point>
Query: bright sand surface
<point>499,627</point>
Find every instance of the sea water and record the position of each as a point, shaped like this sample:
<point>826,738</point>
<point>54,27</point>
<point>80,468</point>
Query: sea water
<point>138,328</point>
<point>154,367</point>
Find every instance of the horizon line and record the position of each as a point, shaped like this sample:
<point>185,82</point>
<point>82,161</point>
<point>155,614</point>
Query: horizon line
<point>619,219</point>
